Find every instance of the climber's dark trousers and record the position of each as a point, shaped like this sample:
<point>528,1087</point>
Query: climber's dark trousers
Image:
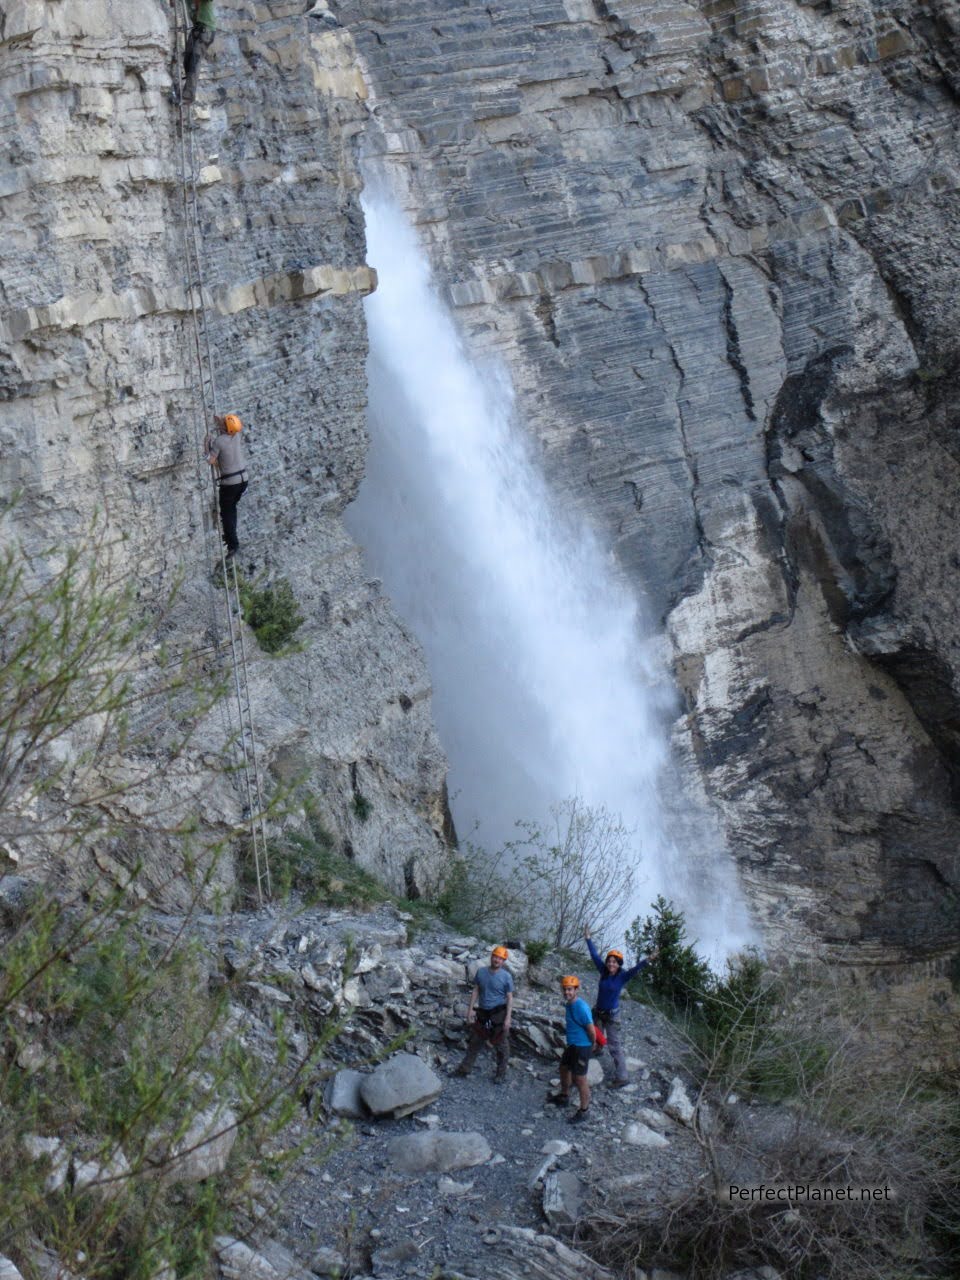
<point>199,39</point>
<point>230,495</point>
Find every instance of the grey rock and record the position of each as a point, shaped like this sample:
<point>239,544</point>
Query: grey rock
<point>8,1271</point>
<point>638,1135</point>
<point>437,1152</point>
<point>202,1152</point>
<point>399,1086</point>
<point>328,1262</point>
<point>562,1199</point>
<point>342,1095</point>
<point>270,1261</point>
<point>448,1187</point>
<point>385,1260</point>
<point>678,1105</point>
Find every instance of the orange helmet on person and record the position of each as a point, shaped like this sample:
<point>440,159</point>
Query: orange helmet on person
<point>617,955</point>
<point>569,980</point>
<point>232,424</point>
<point>502,952</point>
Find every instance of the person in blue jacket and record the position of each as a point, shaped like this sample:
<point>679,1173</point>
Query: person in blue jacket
<point>606,1011</point>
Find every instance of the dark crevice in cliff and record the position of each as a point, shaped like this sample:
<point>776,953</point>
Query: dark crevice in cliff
<point>734,351</point>
<point>698,562</point>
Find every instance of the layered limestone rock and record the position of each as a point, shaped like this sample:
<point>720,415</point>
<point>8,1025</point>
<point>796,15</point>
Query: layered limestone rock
<point>716,246</point>
<point>101,406</point>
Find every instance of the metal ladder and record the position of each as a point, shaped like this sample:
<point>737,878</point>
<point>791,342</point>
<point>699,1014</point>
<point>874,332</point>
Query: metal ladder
<point>207,397</point>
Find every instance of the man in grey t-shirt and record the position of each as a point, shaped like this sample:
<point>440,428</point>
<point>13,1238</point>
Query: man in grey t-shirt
<point>225,453</point>
<point>488,1014</point>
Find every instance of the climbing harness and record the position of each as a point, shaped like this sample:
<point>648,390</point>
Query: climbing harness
<point>246,739</point>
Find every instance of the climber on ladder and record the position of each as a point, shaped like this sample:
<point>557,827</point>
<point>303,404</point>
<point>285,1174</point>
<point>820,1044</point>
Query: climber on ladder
<point>225,453</point>
<point>198,41</point>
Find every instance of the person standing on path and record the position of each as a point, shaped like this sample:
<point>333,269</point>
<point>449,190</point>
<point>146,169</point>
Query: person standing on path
<point>581,1037</point>
<point>606,1011</point>
<point>198,42</point>
<point>488,1014</point>
<point>225,453</point>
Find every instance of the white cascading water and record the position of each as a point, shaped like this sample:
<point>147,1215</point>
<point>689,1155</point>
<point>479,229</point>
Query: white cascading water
<point>544,687</point>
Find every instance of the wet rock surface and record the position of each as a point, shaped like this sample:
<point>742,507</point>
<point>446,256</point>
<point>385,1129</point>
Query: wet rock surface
<point>715,246</point>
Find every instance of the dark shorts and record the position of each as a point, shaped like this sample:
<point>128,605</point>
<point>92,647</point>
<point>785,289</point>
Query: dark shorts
<point>576,1059</point>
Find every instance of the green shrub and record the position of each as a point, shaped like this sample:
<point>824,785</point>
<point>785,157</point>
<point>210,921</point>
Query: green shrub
<point>272,613</point>
<point>536,949</point>
<point>110,1039</point>
<point>679,979</point>
<point>361,806</point>
<point>315,872</point>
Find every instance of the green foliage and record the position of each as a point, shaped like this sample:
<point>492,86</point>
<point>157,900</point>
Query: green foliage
<point>679,979</point>
<point>748,1036</point>
<point>361,806</point>
<point>272,612</point>
<point>736,1023</point>
<point>536,949</point>
<point>115,1044</point>
<point>313,871</point>
<point>71,672</point>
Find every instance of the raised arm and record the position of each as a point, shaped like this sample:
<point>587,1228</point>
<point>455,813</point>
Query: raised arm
<point>594,953</point>
<point>641,964</point>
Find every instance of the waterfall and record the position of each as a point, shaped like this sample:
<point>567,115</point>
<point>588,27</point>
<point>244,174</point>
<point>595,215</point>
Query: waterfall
<point>546,685</point>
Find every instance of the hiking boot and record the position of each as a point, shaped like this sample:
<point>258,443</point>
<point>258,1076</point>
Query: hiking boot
<point>579,1116</point>
<point>620,1084</point>
<point>461,1071</point>
<point>501,1076</point>
<point>558,1099</point>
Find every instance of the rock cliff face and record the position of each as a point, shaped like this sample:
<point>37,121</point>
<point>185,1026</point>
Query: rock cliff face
<point>100,404</point>
<point>716,246</point>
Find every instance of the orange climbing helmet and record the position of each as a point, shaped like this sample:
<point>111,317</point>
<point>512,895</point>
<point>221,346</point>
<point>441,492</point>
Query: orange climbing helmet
<point>617,955</point>
<point>232,424</point>
<point>502,952</point>
<point>569,981</point>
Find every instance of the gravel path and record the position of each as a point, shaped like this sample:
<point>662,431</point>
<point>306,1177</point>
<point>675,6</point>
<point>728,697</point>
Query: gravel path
<point>390,1224</point>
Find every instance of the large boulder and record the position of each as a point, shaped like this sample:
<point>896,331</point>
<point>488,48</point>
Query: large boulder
<point>399,1086</point>
<point>438,1152</point>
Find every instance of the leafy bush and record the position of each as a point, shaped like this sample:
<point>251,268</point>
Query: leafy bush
<point>361,806</point>
<point>114,1042</point>
<point>536,949</point>
<point>272,613</point>
<point>313,871</point>
<point>115,1046</point>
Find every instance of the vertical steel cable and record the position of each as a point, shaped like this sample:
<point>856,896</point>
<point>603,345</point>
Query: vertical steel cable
<point>195,293</point>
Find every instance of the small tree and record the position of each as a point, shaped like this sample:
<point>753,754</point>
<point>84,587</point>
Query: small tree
<point>680,979</point>
<point>580,869</point>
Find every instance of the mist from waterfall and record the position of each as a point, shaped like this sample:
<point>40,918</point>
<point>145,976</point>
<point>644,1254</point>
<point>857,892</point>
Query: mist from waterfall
<point>545,683</point>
